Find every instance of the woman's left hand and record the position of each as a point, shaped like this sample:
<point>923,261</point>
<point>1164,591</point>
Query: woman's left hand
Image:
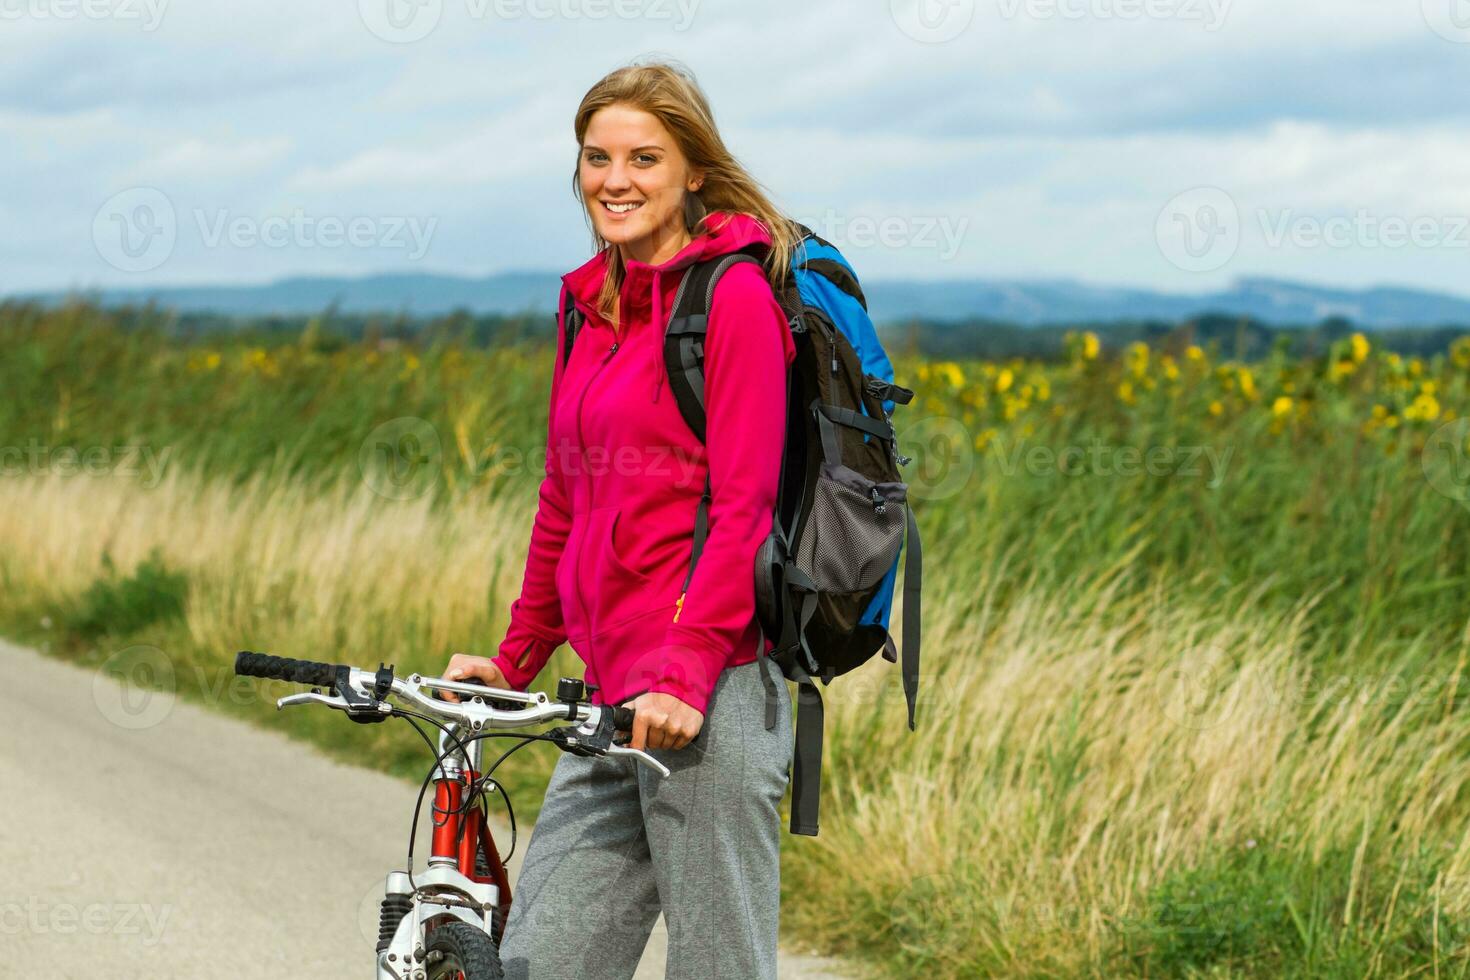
<point>662,721</point>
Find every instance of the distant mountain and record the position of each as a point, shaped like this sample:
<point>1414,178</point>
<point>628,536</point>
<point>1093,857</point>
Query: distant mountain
<point>416,294</point>
<point>1267,300</point>
<point>1027,302</point>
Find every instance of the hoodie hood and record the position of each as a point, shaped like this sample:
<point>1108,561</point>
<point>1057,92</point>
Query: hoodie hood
<point>647,294</point>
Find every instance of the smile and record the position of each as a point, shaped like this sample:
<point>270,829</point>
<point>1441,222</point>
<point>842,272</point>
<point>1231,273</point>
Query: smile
<point>623,208</point>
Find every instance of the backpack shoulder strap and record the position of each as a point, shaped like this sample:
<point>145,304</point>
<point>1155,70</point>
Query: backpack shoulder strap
<point>571,319</point>
<point>684,338</point>
<point>684,364</point>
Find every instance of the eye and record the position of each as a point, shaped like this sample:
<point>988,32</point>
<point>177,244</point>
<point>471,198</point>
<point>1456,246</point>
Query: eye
<point>595,156</point>
<point>647,159</point>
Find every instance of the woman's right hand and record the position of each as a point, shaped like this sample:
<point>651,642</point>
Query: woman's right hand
<point>463,667</point>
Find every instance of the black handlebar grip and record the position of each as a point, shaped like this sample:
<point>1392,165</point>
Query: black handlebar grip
<point>623,719</point>
<point>284,669</point>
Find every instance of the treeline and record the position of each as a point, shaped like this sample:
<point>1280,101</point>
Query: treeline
<point>1242,338</point>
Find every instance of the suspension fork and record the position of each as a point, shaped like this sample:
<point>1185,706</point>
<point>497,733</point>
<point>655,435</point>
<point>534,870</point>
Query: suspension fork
<point>458,836</point>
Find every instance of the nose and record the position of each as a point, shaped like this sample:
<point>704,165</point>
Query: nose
<point>618,178</point>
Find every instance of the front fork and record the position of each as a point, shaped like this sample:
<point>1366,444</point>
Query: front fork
<point>451,888</point>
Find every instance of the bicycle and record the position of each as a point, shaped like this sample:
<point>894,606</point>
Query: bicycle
<point>446,921</point>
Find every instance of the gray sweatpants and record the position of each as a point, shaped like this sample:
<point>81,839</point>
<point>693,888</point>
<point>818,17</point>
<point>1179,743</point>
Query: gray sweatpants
<point>616,843</point>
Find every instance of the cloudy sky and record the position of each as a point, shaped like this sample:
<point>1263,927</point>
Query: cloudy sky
<point>1172,144</point>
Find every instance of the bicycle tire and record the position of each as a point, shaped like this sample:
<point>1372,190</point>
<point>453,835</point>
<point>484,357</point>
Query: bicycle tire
<point>459,951</point>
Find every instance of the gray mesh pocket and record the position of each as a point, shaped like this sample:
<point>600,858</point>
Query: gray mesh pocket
<point>854,530</point>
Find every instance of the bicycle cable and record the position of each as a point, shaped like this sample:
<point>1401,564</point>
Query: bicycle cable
<point>435,767</point>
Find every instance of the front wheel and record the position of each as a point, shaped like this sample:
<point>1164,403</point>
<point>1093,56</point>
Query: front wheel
<point>459,951</point>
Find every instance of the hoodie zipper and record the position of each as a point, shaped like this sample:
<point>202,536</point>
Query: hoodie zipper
<point>582,541</point>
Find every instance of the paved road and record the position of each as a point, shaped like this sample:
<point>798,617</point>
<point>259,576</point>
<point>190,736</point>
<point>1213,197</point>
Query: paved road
<point>194,847</point>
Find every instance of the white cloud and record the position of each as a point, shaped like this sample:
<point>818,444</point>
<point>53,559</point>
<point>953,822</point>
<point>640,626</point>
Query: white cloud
<point>1054,140</point>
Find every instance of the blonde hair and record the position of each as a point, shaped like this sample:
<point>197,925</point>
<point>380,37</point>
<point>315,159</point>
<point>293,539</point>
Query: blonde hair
<point>670,93</point>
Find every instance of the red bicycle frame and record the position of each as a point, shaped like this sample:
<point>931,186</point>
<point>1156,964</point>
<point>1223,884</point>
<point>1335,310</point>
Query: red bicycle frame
<point>459,836</point>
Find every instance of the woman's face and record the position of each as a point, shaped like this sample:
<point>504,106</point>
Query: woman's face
<point>634,178</point>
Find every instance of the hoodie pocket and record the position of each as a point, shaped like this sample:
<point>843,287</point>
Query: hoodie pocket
<point>607,588</point>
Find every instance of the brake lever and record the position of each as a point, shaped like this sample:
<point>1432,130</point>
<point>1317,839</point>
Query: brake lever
<point>377,711</point>
<point>312,697</point>
<point>640,756</point>
<point>596,739</point>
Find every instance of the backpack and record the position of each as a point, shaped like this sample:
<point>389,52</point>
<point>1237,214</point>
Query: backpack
<point>825,576</point>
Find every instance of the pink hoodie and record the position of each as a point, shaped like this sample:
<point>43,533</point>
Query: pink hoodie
<point>615,526</point>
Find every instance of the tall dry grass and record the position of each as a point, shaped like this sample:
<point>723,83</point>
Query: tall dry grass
<point>331,572</point>
<point>1079,754</point>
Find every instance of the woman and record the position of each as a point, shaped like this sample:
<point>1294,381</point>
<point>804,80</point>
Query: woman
<point>610,549</point>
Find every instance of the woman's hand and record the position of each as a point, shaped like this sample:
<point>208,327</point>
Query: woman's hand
<point>662,721</point>
<point>463,667</point>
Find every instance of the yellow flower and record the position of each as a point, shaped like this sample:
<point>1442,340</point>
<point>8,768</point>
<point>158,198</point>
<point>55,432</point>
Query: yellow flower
<point>1416,367</point>
<point>1216,409</point>
<point>1341,369</point>
<point>1247,384</point>
<point>1171,369</point>
<point>1125,393</point>
<point>1080,347</point>
<point>257,358</point>
<point>211,360</point>
<point>1194,354</point>
<point>1424,409</point>
<point>951,371</point>
<point>983,439</point>
<point>1005,380</point>
<point>1359,347</point>
<point>1138,359</point>
<point>1281,406</point>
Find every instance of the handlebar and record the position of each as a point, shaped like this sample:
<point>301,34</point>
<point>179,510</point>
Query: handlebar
<point>622,716</point>
<point>284,669</point>
<point>362,695</point>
